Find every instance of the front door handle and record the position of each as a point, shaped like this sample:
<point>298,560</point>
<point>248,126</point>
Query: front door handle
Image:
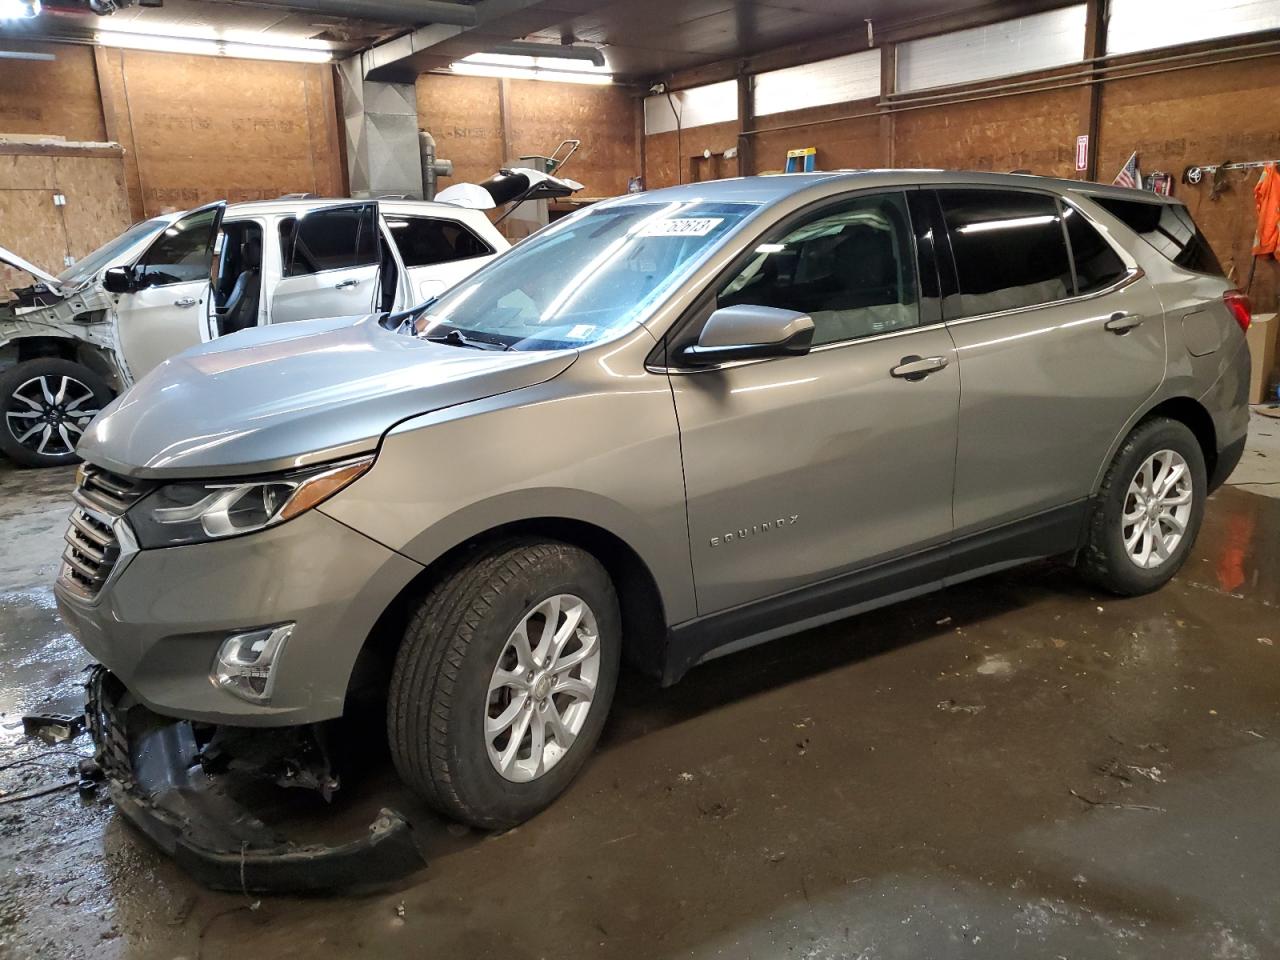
<point>186,302</point>
<point>917,368</point>
<point>346,284</point>
<point>1121,323</point>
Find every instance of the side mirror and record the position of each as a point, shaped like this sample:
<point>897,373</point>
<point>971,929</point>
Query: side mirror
<point>746,332</point>
<point>119,280</point>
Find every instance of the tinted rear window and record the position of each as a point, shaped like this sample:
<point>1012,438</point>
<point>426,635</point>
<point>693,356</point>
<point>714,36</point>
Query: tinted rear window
<point>1010,250</point>
<point>1169,228</point>
<point>1097,265</point>
<point>423,241</point>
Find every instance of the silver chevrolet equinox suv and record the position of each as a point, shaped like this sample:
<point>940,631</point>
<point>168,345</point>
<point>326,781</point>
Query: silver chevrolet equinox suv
<point>668,427</point>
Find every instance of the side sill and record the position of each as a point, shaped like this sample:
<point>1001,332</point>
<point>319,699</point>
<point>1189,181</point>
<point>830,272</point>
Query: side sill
<point>1048,534</point>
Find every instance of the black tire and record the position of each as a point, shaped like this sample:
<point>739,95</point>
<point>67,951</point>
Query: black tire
<point>439,692</point>
<point>1104,560</point>
<point>15,413</point>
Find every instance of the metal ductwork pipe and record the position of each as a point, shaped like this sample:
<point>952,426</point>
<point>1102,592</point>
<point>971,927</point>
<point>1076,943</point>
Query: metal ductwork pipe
<point>406,12</point>
<point>432,168</point>
<point>520,48</point>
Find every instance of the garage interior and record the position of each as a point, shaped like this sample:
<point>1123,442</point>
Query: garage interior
<point>1018,766</point>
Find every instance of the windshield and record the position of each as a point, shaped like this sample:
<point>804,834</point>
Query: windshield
<point>583,280</point>
<point>78,273</point>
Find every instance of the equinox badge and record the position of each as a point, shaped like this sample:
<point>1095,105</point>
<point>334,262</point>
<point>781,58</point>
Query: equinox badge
<point>755,530</point>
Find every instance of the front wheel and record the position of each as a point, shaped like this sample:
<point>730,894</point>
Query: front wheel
<point>503,680</point>
<point>1148,510</point>
<point>45,406</point>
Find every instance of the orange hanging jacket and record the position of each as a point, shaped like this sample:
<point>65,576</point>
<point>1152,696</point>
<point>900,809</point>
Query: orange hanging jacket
<point>1266,196</point>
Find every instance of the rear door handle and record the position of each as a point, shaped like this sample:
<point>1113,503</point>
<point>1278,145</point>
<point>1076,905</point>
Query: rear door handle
<point>917,368</point>
<point>1122,323</point>
<point>346,284</point>
<point>186,302</point>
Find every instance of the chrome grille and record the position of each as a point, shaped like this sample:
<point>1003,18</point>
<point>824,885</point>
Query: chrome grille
<point>93,544</point>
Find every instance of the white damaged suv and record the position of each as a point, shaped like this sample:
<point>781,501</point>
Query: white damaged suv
<point>69,343</point>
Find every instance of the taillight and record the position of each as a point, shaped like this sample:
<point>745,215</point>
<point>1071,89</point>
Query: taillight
<point>1240,307</point>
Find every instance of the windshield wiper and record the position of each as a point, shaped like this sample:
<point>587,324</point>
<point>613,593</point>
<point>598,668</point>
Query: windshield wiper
<point>456,338</point>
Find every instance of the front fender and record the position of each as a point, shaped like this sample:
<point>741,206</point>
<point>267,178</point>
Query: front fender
<point>556,450</point>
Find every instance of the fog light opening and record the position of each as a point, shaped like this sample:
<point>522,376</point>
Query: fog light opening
<point>246,662</point>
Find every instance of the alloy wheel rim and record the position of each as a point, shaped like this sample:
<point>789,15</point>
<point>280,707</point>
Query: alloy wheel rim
<point>1157,509</point>
<point>49,421</point>
<point>542,688</point>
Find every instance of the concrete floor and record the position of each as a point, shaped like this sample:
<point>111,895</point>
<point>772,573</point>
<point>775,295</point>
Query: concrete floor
<point>1016,767</point>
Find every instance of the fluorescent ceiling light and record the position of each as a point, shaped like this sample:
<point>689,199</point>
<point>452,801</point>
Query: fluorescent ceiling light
<point>529,73</point>
<point>19,9</point>
<point>155,28</point>
<point>208,47</point>
<point>549,62</point>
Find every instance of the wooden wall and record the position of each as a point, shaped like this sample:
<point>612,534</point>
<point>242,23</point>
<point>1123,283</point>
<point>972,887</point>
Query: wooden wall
<point>465,116</point>
<point>1202,116</point>
<point>58,97</point>
<point>235,129</point>
<point>96,208</point>
<point>1195,116</point>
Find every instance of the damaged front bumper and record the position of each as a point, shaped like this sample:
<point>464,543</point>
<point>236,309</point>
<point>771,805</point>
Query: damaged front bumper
<point>156,770</point>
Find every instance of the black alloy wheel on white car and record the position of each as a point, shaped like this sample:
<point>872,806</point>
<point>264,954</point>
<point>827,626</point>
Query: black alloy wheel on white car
<point>45,406</point>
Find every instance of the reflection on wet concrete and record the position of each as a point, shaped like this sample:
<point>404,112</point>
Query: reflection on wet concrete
<point>1017,766</point>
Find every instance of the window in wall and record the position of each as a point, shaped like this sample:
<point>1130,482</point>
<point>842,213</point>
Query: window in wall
<point>851,269</point>
<point>1169,228</point>
<point>1036,42</point>
<point>1009,247</point>
<point>697,107</point>
<point>855,76</point>
<point>335,238</point>
<point>423,241</point>
<point>182,252</point>
<point>1136,25</point>
<point>1098,266</point>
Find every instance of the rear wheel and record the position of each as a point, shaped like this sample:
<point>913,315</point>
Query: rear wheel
<point>503,681</point>
<point>45,406</point>
<point>1148,510</point>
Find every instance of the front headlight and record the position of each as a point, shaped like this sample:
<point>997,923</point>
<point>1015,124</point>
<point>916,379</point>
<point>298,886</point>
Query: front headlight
<point>195,511</point>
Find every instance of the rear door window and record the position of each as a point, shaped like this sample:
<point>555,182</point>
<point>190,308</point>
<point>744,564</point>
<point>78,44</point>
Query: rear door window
<point>1009,248</point>
<point>1169,228</point>
<point>423,241</point>
<point>1098,266</point>
<point>851,268</point>
<point>338,238</point>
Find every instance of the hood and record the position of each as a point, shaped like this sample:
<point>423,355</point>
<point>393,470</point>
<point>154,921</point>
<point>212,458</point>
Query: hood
<point>48,279</point>
<point>290,395</point>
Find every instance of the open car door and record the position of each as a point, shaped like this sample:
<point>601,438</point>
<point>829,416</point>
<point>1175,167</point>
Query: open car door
<point>331,259</point>
<point>162,311</point>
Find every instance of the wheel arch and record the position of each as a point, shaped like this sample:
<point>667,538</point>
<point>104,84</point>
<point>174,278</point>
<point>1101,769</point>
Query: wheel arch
<point>1185,410</point>
<point>640,600</point>
<point>96,359</point>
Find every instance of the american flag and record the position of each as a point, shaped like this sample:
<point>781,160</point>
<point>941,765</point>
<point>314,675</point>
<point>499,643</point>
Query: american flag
<point>1128,175</point>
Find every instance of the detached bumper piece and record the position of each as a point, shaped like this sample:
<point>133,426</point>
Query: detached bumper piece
<point>157,773</point>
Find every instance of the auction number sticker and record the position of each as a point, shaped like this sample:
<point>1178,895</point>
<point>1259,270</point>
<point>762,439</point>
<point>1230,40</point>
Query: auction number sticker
<point>682,227</point>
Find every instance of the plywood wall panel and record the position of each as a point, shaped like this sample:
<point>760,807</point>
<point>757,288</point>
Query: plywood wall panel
<point>1035,132</point>
<point>541,114</point>
<point>58,97</point>
<point>29,226</point>
<point>665,164</point>
<point>841,144</point>
<point>464,115</point>
<point>207,128</point>
<point>1202,116</point>
<point>97,208</point>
